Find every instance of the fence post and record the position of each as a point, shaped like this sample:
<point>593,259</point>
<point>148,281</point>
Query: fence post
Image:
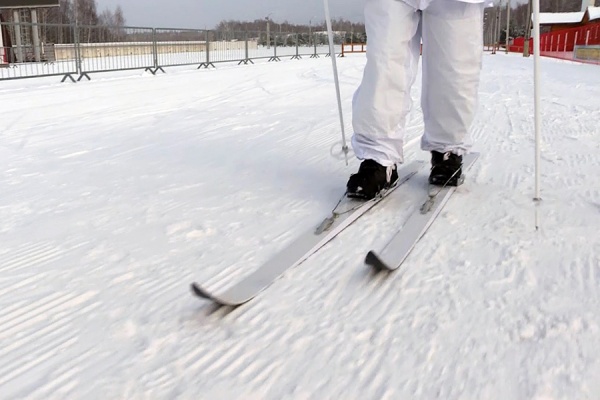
<point>157,67</point>
<point>76,45</point>
<point>314,38</point>
<point>246,59</point>
<point>208,63</point>
<point>274,58</point>
<point>79,55</point>
<point>207,48</point>
<point>297,56</point>
<point>154,51</point>
<point>69,75</point>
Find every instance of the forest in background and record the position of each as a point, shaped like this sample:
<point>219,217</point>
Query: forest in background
<point>86,13</point>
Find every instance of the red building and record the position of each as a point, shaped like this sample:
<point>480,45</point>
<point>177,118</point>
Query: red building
<point>564,32</point>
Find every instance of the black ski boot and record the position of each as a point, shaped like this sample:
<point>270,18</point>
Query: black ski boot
<point>446,169</point>
<point>371,179</point>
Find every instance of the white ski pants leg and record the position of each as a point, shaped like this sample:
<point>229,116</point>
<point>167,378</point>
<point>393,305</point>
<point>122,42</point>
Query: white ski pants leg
<point>452,49</point>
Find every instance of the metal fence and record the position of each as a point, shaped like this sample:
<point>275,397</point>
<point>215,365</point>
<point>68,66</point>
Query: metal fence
<point>76,52</point>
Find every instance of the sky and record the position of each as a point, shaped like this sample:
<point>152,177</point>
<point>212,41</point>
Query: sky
<point>208,13</point>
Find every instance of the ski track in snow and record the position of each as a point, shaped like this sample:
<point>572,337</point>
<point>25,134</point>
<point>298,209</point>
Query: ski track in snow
<point>117,193</point>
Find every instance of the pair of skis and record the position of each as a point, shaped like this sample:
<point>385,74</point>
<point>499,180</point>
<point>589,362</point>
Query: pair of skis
<point>345,213</point>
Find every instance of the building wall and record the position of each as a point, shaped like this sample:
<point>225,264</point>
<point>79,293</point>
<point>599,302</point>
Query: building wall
<point>564,40</point>
<point>587,53</point>
<point>100,50</point>
<point>561,27</point>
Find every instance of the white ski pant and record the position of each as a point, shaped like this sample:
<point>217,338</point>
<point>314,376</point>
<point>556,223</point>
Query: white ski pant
<point>451,32</point>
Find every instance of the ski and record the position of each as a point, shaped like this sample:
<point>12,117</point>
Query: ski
<point>399,247</point>
<point>344,214</point>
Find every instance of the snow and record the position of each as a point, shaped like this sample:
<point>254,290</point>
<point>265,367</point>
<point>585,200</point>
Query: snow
<point>119,192</point>
<point>569,17</point>
<point>594,13</point>
<point>561,18</point>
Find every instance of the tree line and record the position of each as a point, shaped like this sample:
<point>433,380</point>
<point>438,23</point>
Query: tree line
<point>84,12</point>
<point>108,25</point>
<point>258,25</point>
<point>355,31</point>
<point>95,26</point>
<point>312,33</point>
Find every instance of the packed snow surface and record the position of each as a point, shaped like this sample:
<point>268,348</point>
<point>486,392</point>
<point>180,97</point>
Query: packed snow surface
<point>115,194</point>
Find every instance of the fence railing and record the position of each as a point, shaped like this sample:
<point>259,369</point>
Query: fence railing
<point>75,52</point>
<point>349,48</point>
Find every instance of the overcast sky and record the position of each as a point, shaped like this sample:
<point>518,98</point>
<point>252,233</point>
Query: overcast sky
<point>208,13</point>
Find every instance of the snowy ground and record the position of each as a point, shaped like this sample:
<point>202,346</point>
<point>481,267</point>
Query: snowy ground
<point>115,194</point>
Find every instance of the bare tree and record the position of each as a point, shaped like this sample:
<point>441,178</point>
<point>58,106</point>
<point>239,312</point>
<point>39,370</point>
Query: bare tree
<point>106,18</point>
<point>86,12</point>
<point>119,17</point>
<point>86,16</point>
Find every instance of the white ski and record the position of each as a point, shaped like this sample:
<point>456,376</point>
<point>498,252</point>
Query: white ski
<point>344,214</point>
<point>399,247</point>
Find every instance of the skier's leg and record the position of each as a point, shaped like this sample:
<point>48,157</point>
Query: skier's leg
<point>452,52</point>
<point>382,101</point>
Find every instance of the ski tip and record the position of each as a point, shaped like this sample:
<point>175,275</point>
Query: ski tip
<point>373,260</point>
<point>202,293</point>
<point>199,291</point>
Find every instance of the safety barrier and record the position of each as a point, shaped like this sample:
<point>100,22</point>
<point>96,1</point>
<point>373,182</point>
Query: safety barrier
<point>76,52</point>
<point>349,48</point>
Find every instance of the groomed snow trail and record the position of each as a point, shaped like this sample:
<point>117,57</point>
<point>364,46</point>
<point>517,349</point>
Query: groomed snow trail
<point>117,193</point>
